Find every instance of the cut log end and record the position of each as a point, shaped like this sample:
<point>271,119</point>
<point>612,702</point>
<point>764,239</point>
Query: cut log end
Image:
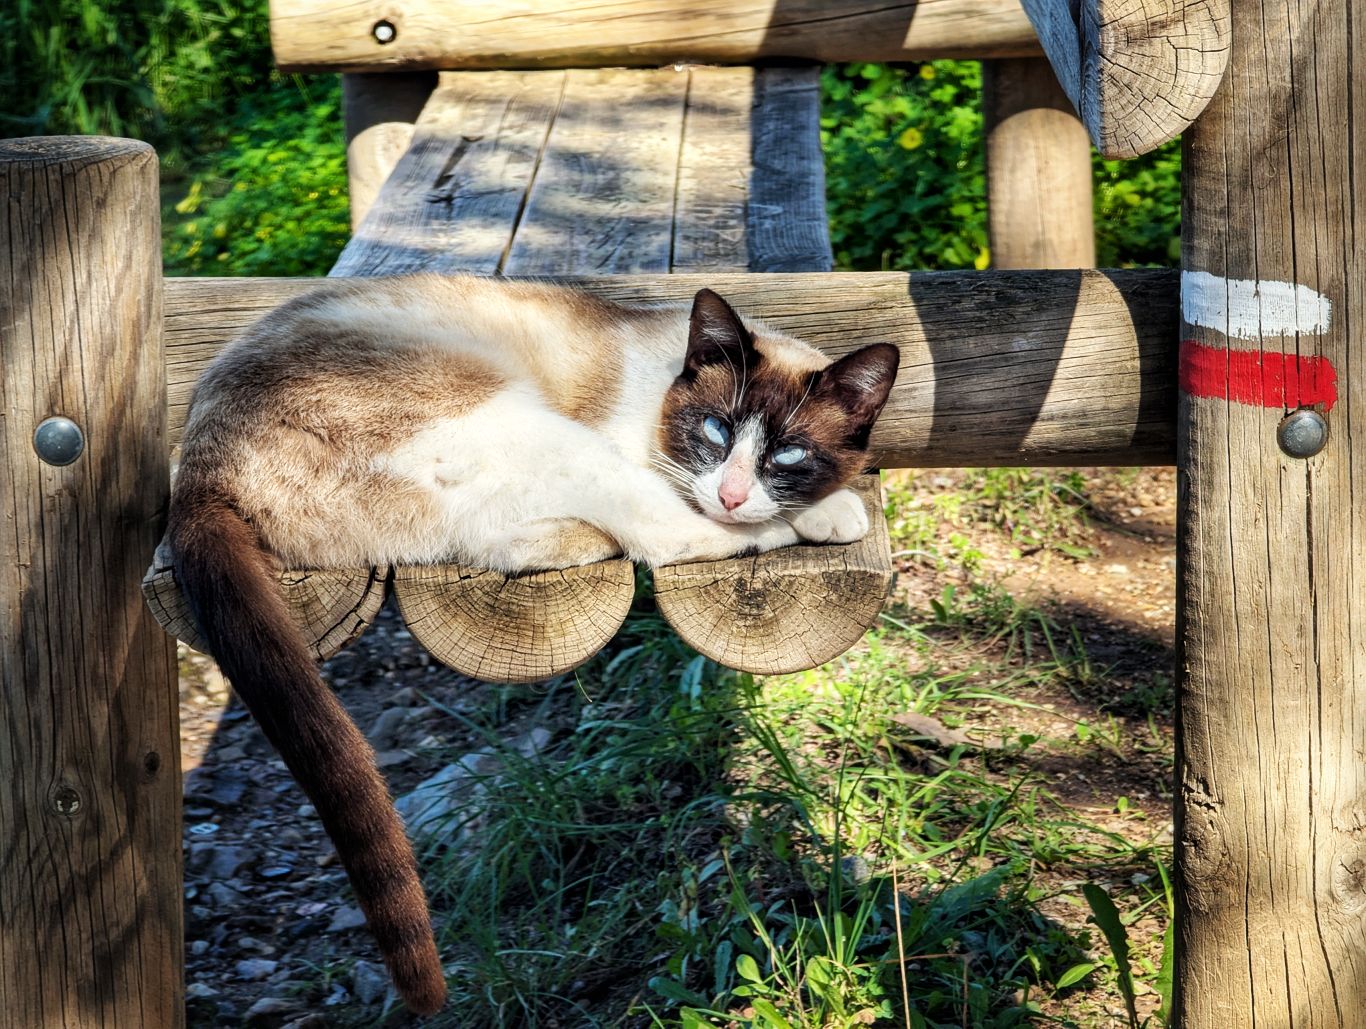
<point>520,628</point>
<point>786,610</point>
<point>332,607</point>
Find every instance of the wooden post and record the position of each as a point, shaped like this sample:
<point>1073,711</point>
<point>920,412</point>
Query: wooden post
<point>90,922</point>
<point>380,112</point>
<point>1038,169</point>
<point>1271,810</point>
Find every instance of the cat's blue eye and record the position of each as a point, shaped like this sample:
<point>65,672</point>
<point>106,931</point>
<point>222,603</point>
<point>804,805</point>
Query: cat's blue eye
<point>789,455</point>
<point>715,430</point>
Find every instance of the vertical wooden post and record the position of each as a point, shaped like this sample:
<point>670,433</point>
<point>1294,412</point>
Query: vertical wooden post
<point>379,111</point>
<point>90,921</point>
<point>1271,810</point>
<point>1038,169</point>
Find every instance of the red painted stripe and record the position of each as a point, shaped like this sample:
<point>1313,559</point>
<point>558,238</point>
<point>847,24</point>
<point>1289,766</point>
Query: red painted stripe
<point>1252,377</point>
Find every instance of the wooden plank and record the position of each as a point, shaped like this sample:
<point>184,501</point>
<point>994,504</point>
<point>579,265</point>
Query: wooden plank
<point>370,35</point>
<point>786,610</point>
<point>714,169</point>
<point>1005,368</point>
<point>454,199</point>
<point>331,607</point>
<point>1271,548</point>
<point>1039,212</point>
<point>90,888</point>
<point>788,228</point>
<point>603,197</point>
<point>1138,71</point>
<point>379,112</point>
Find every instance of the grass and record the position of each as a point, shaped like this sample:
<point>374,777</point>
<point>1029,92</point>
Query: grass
<point>875,842</point>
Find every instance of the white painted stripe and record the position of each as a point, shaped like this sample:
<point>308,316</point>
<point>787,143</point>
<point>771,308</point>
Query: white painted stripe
<point>1249,308</point>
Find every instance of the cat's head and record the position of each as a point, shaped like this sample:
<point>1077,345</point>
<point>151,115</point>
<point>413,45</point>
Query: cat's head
<point>758,425</point>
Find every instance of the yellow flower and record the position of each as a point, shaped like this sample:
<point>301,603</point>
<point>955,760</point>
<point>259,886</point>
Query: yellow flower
<point>927,72</point>
<point>911,138</point>
<point>983,260</point>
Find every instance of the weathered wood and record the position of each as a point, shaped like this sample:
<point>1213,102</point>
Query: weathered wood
<point>788,229</point>
<point>1138,71</point>
<point>331,608</point>
<point>714,172</point>
<point>603,198</point>
<point>1046,368</point>
<point>316,35</point>
<point>455,198</point>
<point>514,629</point>
<point>1038,169</point>
<point>379,112</point>
<point>787,610</point>
<point>90,888</point>
<point>1272,549</point>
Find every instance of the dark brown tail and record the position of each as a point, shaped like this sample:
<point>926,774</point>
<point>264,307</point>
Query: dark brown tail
<point>235,597</point>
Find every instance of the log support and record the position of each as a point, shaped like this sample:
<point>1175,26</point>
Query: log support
<point>1039,212</point>
<point>90,888</point>
<point>1271,802</point>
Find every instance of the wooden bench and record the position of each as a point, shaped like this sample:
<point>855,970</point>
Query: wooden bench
<point>601,171</point>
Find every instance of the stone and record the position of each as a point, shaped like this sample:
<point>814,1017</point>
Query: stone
<point>219,861</point>
<point>224,896</point>
<point>200,991</point>
<point>267,1006</point>
<point>369,982</point>
<point>256,968</point>
<point>386,726</point>
<point>346,918</point>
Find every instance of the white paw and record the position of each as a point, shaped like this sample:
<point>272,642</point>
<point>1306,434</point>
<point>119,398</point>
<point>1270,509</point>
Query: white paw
<point>839,518</point>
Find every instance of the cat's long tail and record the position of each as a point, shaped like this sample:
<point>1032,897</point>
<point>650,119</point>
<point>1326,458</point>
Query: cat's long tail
<point>234,594</point>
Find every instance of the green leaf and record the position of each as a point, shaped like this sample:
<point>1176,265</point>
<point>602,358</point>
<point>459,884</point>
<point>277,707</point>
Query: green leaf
<point>671,990</point>
<point>1106,916</point>
<point>1075,974</point>
<point>770,1014</point>
<point>748,968</point>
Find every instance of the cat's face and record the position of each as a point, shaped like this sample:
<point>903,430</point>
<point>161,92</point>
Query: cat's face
<point>750,433</point>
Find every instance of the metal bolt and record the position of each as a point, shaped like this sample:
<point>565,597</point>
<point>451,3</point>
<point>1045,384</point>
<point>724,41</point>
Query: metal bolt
<point>66,800</point>
<point>1302,433</point>
<point>58,441</point>
<point>384,32</point>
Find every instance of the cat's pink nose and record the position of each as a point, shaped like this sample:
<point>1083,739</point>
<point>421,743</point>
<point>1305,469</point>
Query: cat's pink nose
<point>732,495</point>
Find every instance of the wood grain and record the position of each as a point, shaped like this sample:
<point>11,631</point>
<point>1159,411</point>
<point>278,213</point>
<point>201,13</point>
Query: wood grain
<point>317,35</point>
<point>1271,809</point>
<point>603,197</point>
<point>519,628</point>
<point>997,368</point>
<point>715,167</point>
<point>1138,71</point>
<point>90,887</point>
<point>379,112</point>
<point>455,197</point>
<point>787,610</point>
<point>1039,208</point>
<point>331,607</point>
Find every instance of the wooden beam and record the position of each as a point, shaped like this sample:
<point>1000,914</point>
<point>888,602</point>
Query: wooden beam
<point>90,888</point>
<point>378,112</point>
<point>997,368</point>
<point>1039,212</point>
<point>1271,807</point>
<point>375,35</point>
<point>776,613</point>
<point>1138,71</point>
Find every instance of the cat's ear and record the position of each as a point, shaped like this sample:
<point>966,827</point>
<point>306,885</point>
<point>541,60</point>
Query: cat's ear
<point>860,383</point>
<point>716,335</point>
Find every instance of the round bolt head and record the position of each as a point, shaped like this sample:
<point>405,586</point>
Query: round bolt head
<point>58,441</point>
<point>384,32</point>
<point>1302,433</point>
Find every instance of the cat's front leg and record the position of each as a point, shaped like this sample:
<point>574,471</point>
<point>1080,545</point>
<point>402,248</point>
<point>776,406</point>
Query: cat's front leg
<point>838,518</point>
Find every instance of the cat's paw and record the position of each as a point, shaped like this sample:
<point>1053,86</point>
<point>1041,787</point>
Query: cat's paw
<point>839,518</point>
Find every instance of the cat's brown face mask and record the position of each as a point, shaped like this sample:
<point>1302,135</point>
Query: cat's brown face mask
<point>746,438</point>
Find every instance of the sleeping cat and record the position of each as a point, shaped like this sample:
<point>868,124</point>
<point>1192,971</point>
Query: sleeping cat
<point>514,426</point>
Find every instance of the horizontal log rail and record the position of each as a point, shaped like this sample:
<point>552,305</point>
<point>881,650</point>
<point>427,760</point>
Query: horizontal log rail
<point>375,35</point>
<point>1137,71</point>
<point>1057,368</point>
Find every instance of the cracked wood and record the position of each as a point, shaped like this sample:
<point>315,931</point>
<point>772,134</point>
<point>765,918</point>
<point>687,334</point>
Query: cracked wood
<point>1137,71</point>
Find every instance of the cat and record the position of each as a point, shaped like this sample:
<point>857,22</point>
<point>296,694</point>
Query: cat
<point>508,425</point>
